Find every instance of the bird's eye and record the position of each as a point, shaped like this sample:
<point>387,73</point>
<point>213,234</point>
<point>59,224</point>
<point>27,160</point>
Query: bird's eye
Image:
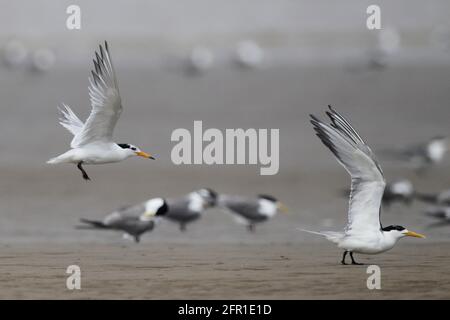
<point>134,149</point>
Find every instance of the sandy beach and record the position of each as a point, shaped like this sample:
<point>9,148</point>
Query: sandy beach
<point>307,271</point>
<point>216,258</point>
<point>313,57</point>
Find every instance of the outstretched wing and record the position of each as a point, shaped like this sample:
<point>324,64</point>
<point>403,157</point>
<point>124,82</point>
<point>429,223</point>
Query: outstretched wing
<point>69,120</point>
<point>105,101</point>
<point>355,156</point>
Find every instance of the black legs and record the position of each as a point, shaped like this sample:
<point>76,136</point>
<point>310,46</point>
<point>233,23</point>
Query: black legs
<point>343,257</point>
<point>351,256</point>
<point>85,176</point>
<point>353,260</point>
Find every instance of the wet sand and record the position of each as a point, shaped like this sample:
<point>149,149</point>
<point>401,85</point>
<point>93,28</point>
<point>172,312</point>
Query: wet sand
<point>215,258</point>
<point>307,271</point>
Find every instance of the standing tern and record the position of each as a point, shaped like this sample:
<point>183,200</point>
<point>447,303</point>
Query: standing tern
<point>93,140</point>
<point>441,213</point>
<point>133,220</point>
<point>364,232</point>
<point>190,207</point>
<point>250,211</point>
<point>441,198</point>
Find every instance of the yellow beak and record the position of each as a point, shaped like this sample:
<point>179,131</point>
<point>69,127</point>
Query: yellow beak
<point>144,155</point>
<point>282,207</point>
<point>413,234</point>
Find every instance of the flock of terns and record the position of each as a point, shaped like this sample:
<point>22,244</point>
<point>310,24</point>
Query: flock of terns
<point>93,143</point>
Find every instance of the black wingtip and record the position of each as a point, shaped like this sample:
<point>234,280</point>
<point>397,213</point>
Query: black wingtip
<point>93,76</point>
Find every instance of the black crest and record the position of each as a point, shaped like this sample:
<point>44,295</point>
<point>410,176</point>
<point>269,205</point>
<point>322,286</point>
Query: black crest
<point>390,228</point>
<point>267,197</point>
<point>163,209</point>
<point>212,193</point>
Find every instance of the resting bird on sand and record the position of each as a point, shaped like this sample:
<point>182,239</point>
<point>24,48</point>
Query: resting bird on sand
<point>93,140</point>
<point>364,232</point>
<point>190,207</point>
<point>441,198</point>
<point>251,211</point>
<point>421,156</point>
<point>133,221</point>
<point>441,214</point>
<point>399,191</point>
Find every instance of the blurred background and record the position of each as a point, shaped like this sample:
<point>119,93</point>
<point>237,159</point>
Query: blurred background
<point>231,64</point>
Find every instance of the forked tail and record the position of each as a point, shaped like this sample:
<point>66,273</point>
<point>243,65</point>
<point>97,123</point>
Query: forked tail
<point>92,224</point>
<point>332,236</point>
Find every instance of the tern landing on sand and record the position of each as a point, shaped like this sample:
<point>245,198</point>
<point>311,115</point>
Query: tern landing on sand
<point>93,142</point>
<point>364,232</point>
<point>190,207</point>
<point>133,220</point>
<point>251,211</point>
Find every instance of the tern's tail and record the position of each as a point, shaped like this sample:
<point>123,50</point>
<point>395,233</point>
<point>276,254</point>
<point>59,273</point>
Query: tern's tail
<point>59,159</point>
<point>92,224</point>
<point>332,236</point>
<point>53,160</point>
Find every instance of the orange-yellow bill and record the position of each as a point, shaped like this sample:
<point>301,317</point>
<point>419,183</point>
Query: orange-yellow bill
<point>413,234</point>
<point>144,155</point>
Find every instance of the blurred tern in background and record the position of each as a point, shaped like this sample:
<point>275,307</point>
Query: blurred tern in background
<point>43,60</point>
<point>190,207</point>
<point>441,198</point>
<point>364,232</point>
<point>133,220</point>
<point>421,156</point>
<point>92,142</point>
<point>15,53</point>
<point>440,213</point>
<point>400,191</point>
<point>251,211</point>
<point>249,54</point>
<point>200,60</point>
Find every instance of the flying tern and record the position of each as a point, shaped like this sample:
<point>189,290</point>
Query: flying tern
<point>93,140</point>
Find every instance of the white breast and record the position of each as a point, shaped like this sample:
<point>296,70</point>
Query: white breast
<point>196,202</point>
<point>436,150</point>
<point>267,208</point>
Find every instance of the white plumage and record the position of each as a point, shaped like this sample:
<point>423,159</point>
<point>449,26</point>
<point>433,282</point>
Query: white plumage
<point>93,140</point>
<point>364,232</point>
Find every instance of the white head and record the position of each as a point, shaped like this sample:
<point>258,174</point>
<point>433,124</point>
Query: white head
<point>269,206</point>
<point>131,150</point>
<point>154,208</point>
<point>402,188</point>
<point>398,232</point>
<point>437,148</point>
<point>202,199</point>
